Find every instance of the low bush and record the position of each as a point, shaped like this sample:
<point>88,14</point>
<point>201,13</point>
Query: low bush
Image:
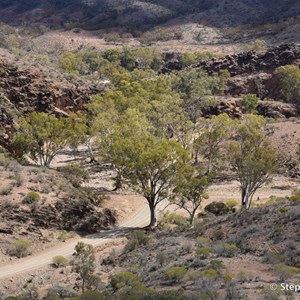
<point>284,272</point>
<point>21,248</point>
<point>6,190</point>
<point>204,252</point>
<point>137,238</point>
<point>123,279</point>
<point>231,203</point>
<point>63,236</point>
<point>60,261</point>
<point>91,295</point>
<point>176,274</point>
<point>31,197</point>
<point>217,208</point>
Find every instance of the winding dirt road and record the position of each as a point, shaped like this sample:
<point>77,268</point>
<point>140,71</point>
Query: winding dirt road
<point>139,219</point>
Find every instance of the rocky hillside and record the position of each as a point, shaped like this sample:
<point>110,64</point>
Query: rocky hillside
<point>23,90</point>
<point>109,13</point>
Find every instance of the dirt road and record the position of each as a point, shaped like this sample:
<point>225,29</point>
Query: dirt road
<point>139,219</point>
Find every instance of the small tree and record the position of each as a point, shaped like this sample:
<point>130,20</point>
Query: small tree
<point>43,136</point>
<point>289,80</point>
<point>149,165</point>
<point>190,190</point>
<point>213,133</point>
<point>248,103</point>
<point>84,262</point>
<point>251,157</point>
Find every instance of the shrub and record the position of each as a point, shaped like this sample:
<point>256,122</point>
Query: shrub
<point>123,279</point>
<point>217,208</point>
<point>230,250</point>
<point>63,236</point>
<point>231,203</point>
<point>289,81</point>
<point>161,258</point>
<point>173,218</point>
<point>19,180</point>
<point>216,265</point>
<point>175,274</point>
<point>137,238</point>
<point>60,261</point>
<point>6,190</point>
<point>31,197</point>
<point>22,248</point>
<point>91,295</point>
<point>75,174</point>
<point>211,273</point>
<point>284,272</point>
<point>248,103</point>
<point>204,252</point>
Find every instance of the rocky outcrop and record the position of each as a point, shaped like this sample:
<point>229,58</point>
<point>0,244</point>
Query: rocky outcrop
<point>77,215</point>
<point>274,109</point>
<point>26,90</point>
<point>253,62</point>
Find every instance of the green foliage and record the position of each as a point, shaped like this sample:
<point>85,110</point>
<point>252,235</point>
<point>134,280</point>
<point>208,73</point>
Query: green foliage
<point>256,45</point>
<point>21,248</point>
<point>230,250</point>
<point>217,208</point>
<point>231,203</point>
<point>190,190</point>
<point>197,89</point>
<point>172,218</point>
<point>91,295</point>
<point>252,157</point>
<point>204,252</point>
<point>285,272</point>
<point>123,279</point>
<point>289,80</point>
<point>63,236</point>
<point>176,274</point>
<point>42,136</point>
<point>214,133</point>
<point>149,165</point>
<point>248,103</point>
<point>187,59</point>
<point>210,273</point>
<point>31,197</point>
<point>84,262</point>
<point>60,261</point>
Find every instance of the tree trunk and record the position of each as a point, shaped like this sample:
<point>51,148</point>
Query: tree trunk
<point>192,219</point>
<point>83,285</point>
<point>153,221</point>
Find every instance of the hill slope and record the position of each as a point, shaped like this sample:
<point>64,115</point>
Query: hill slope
<point>109,13</point>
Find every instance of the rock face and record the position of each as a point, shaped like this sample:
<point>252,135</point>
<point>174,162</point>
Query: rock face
<point>23,91</point>
<point>64,215</point>
<point>252,62</point>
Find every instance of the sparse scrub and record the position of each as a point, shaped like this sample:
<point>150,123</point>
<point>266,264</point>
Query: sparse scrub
<point>21,248</point>
<point>204,252</point>
<point>6,190</point>
<point>63,236</point>
<point>60,261</point>
<point>31,197</point>
<point>231,203</point>
<point>176,274</point>
<point>285,272</point>
<point>136,239</point>
<point>123,279</point>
